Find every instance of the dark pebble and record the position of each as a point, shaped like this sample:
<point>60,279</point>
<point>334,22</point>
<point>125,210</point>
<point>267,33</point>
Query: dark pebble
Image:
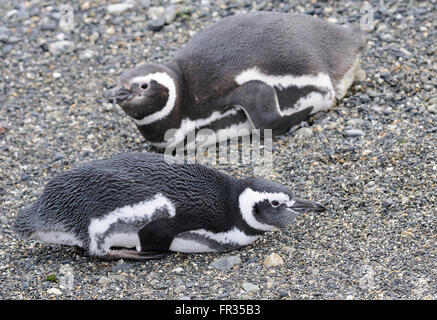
<point>58,156</point>
<point>123,267</point>
<point>156,24</point>
<point>387,203</point>
<point>283,293</point>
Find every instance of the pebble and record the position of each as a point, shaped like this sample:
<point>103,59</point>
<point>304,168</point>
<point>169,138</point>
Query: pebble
<point>273,260</point>
<point>178,270</point>
<point>86,54</point>
<point>407,233</point>
<point>4,34</point>
<point>104,281</point>
<point>110,31</point>
<point>118,8</point>
<point>283,293</point>
<point>58,156</point>
<point>226,262</point>
<point>123,267</point>
<point>304,132</point>
<point>49,24</point>
<point>388,111</point>
<point>432,108</point>
<point>156,24</point>
<point>170,14</point>
<point>387,203</point>
<point>54,291</point>
<point>250,287</point>
<point>155,12</point>
<point>353,133</point>
<point>61,47</point>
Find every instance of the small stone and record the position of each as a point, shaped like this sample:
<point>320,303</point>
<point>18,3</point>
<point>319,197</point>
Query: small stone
<point>56,75</point>
<point>86,54</point>
<point>4,34</point>
<point>118,8</point>
<point>354,122</point>
<point>48,24</point>
<point>58,156</point>
<point>377,109</point>
<point>406,233</point>
<point>94,36</point>
<point>104,281</point>
<point>155,12</point>
<point>226,263</point>
<point>157,285</point>
<point>156,24</point>
<point>123,267</point>
<point>331,125</point>
<point>388,111</point>
<point>364,98</point>
<point>353,133</point>
<point>54,291</point>
<point>110,31</point>
<point>432,108</point>
<point>11,13</point>
<point>387,37</point>
<point>60,47</point>
<point>283,293</point>
<point>170,14</point>
<point>178,270</point>
<point>85,5</point>
<point>304,132</point>
<point>108,106</point>
<point>250,287</point>
<point>117,277</point>
<point>273,260</point>
<point>387,203</point>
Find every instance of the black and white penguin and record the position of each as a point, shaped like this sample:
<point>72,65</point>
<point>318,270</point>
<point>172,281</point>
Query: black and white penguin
<point>141,205</point>
<point>262,70</point>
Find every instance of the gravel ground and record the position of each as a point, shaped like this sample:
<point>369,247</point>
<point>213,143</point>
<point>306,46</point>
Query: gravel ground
<point>371,159</point>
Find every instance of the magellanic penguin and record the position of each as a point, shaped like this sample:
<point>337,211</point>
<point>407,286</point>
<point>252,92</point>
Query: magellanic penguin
<point>262,70</point>
<point>142,205</point>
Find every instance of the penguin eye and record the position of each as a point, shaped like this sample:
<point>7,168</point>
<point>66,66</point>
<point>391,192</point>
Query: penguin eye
<point>275,203</point>
<point>144,86</point>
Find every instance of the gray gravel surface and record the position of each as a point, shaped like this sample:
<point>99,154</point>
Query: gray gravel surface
<point>371,160</point>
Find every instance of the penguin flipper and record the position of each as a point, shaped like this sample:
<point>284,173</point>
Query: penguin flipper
<point>260,103</point>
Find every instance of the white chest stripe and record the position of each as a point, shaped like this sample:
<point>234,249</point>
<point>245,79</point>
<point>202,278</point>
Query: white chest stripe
<point>248,198</point>
<point>234,236</point>
<point>318,101</point>
<point>165,80</point>
<point>140,211</point>
<point>320,80</point>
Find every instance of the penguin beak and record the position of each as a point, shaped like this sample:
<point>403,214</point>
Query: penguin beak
<point>118,95</point>
<point>303,206</point>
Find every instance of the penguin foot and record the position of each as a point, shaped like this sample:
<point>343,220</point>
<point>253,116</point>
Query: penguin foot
<point>127,254</point>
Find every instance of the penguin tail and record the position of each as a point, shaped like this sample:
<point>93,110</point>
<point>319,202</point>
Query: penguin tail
<point>27,221</point>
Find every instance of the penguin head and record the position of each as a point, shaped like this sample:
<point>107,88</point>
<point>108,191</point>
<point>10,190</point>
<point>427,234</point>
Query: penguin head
<point>266,204</point>
<point>146,93</point>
